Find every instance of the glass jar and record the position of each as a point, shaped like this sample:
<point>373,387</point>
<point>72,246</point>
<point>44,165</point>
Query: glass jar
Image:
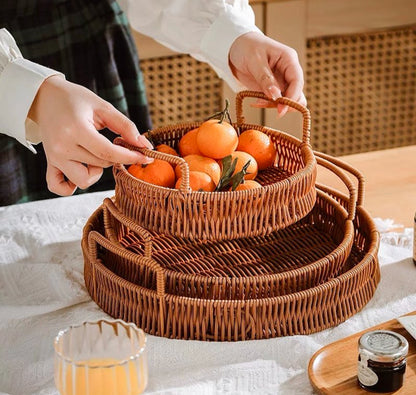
<point>382,360</point>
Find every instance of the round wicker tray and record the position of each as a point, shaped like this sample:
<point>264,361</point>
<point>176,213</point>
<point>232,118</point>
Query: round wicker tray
<point>156,305</point>
<point>298,257</point>
<point>288,195</point>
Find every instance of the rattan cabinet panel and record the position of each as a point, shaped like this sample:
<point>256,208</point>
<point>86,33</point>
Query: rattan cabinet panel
<point>180,89</point>
<point>361,90</point>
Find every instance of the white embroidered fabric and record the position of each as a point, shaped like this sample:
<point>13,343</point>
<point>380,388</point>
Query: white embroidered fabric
<point>42,291</point>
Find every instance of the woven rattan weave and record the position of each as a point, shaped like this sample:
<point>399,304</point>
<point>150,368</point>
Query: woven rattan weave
<point>288,195</point>
<point>169,293</point>
<point>349,77</point>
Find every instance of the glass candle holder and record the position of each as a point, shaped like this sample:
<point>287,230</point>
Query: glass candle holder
<point>106,357</point>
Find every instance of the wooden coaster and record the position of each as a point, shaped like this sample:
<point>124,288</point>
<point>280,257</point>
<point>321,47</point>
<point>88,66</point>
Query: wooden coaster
<point>333,368</point>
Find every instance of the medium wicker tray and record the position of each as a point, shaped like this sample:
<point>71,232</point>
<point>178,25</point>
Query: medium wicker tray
<point>288,195</point>
<point>298,257</point>
<point>157,306</point>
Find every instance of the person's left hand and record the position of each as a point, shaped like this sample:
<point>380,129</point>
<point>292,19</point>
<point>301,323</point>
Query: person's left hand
<point>69,117</point>
<point>263,64</point>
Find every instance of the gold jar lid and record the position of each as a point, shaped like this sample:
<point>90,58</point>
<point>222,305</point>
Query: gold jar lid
<point>383,346</point>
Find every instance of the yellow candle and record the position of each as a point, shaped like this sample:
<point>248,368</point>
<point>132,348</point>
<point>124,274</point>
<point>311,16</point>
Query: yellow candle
<point>95,376</point>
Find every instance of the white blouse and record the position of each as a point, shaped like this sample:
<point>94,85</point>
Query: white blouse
<point>204,29</point>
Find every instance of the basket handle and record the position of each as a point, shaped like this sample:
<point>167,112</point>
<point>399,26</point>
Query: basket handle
<point>176,160</point>
<point>306,128</point>
<point>96,239</point>
<point>143,233</point>
<point>345,166</point>
<point>352,202</point>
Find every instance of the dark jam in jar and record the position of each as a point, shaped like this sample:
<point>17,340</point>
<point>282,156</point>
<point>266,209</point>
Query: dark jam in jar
<point>382,361</point>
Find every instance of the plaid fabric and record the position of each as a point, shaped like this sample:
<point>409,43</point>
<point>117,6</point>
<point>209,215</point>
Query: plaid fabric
<point>90,42</point>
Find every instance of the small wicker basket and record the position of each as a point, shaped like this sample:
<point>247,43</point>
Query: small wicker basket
<point>288,192</point>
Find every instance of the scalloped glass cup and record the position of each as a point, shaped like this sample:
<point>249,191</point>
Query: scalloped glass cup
<point>105,357</point>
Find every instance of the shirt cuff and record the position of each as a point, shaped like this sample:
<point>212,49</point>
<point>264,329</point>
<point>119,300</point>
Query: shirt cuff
<point>217,42</point>
<point>19,84</point>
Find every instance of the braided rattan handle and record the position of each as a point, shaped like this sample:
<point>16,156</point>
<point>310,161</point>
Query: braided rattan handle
<point>345,166</point>
<point>142,232</point>
<point>352,203</point>
<point>95,239</point>
<point>306,132</point>
<point>176,160</point>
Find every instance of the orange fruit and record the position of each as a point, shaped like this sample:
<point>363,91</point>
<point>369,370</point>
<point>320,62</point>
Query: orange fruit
<point>203,164</point>
<point>197,181</point>
<point>248,184</point>
<point>216,140</point>
<point>166,149</point>
<point>258,145</point>
<point>159,172</point>
<point>187,144</point>
<point>242,159</point>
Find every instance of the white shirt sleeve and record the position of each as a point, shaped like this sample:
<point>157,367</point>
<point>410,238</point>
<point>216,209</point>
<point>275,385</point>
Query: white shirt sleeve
<point>205,29</point>
<point>20,80</point>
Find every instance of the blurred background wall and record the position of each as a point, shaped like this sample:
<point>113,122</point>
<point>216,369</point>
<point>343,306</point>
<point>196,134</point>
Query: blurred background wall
<point>359,59</point>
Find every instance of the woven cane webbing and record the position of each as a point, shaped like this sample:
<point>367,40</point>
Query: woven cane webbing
<point>361,90</point>
<point>180,89</point>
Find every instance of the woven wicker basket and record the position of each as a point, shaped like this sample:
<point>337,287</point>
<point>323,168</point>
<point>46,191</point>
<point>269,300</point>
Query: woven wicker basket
<point>298,257</point>
<point>153,298</point>
<point>288,194</point>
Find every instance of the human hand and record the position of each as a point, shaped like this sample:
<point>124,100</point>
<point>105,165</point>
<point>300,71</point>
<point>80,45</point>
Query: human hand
<point>68,116</point>
<point>263,64</point>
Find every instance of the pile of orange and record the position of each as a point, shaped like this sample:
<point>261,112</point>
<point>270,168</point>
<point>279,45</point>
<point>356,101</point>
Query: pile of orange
<point>204,149</point>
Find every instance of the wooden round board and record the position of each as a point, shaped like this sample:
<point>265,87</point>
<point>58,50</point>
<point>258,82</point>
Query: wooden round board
<point>333,368</point>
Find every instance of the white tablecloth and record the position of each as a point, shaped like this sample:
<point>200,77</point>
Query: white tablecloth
<point>42,291</point>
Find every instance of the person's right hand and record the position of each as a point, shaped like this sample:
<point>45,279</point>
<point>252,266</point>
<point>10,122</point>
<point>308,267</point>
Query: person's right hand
<point>68,116</point>
<point>263,64</point>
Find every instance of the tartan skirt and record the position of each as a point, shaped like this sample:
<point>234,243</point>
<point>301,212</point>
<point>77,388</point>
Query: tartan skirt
<point>90,42</point>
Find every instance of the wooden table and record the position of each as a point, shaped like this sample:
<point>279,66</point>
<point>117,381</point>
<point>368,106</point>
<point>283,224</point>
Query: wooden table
<point>390,182</point>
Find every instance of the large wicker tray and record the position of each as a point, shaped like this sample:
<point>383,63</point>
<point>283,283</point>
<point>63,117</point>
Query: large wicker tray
<point>157,306</point>
<point>288,195</point>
